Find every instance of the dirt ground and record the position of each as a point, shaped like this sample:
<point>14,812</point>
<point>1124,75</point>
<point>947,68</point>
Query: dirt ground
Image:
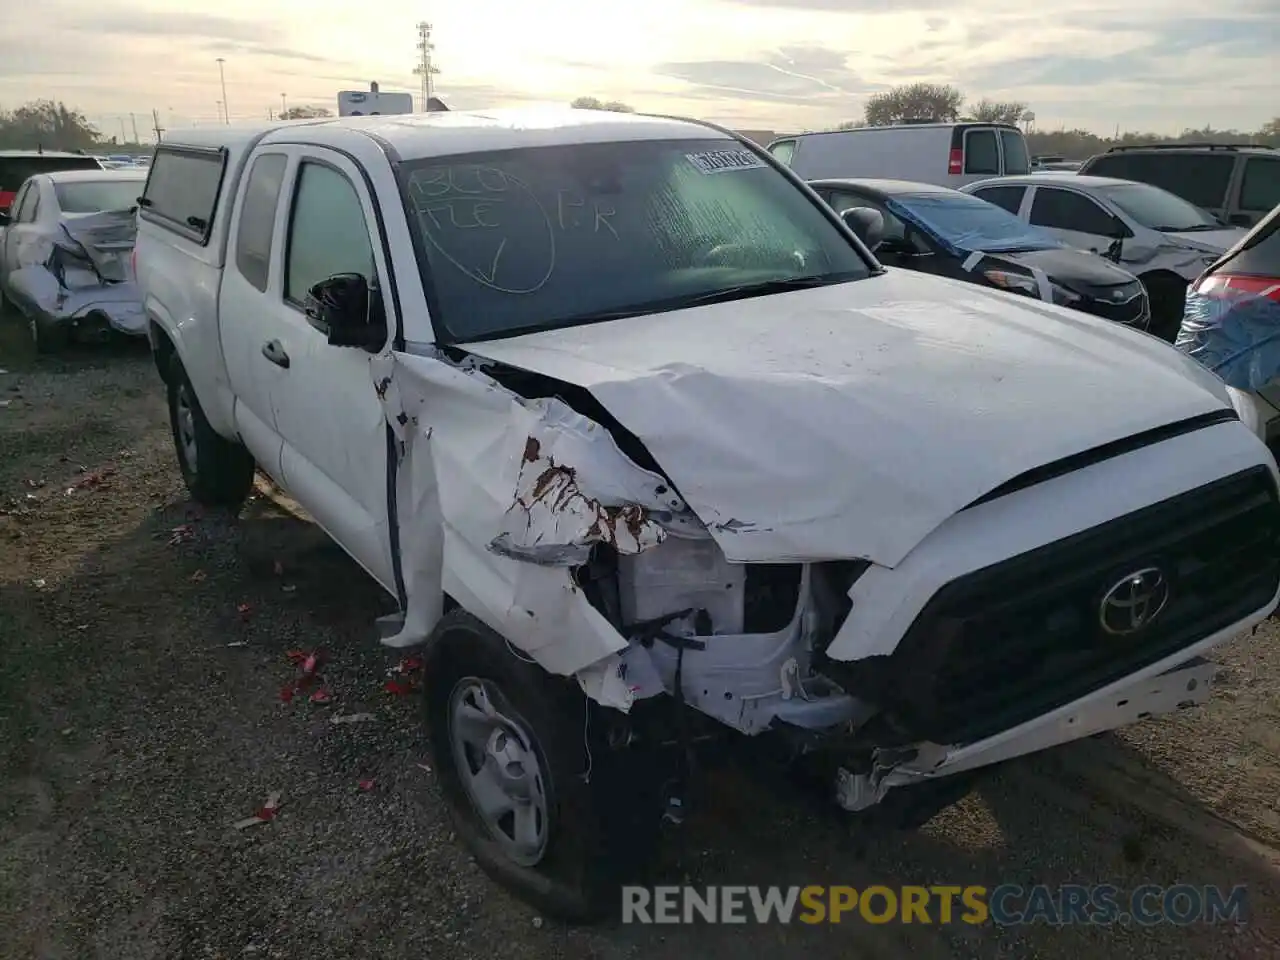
<point>142,656</point>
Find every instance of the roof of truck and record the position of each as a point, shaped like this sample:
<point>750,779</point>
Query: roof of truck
<point>418,135</point>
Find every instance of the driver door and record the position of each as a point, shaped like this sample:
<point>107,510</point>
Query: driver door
<point>335,449</point>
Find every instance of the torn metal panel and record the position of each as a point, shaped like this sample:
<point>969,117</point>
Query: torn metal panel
<point>464,467</point>
<point>80,271</point>
<point>842,422</point>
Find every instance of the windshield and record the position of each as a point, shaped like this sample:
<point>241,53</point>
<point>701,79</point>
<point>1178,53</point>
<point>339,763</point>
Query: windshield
<point>543,237</point>
<point>1159,209</point>
<point>94,196</point>
<point>961,222</point>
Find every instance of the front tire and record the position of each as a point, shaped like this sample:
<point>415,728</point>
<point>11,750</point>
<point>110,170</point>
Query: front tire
<point>217,471</point>
<point>515,765</point>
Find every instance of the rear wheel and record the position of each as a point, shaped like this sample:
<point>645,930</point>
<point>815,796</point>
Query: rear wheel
<point>217,471</point>
<point>1167,296</point>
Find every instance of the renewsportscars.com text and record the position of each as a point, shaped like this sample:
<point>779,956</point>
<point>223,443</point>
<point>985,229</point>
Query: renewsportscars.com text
<point>1004,905</point>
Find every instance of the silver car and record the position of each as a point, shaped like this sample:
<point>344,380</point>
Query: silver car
<point>65,249</point>
<point>1162,239</point>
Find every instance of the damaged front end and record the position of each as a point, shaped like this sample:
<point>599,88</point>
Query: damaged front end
<point>80,277</point>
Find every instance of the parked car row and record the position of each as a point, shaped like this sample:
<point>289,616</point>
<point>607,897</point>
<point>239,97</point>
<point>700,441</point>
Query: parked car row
<point>650,448</point>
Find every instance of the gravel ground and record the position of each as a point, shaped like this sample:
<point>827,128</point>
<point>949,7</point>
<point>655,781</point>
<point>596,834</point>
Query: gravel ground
<point>142,656</point>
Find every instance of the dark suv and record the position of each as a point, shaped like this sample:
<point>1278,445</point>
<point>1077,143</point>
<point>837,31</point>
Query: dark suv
<point>17,165</point>
<point>1238,183</point>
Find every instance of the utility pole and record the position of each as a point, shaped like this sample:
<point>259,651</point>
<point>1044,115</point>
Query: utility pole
<point>426,68</point>
<point>222,75</point>
<point>133,119</point>
<point>284,108</point>
<point>123,136</point>
<point>219,103</point>
<point>155,119</point>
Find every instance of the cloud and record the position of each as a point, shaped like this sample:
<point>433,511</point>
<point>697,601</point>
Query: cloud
<point>793,74</point>
<point>848,6</point>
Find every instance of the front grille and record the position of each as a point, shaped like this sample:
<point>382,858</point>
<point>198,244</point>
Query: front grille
<point>1132,311</point>
<point>1008,643</point>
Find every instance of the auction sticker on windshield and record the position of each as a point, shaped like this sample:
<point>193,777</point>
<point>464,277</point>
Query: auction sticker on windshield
<point>721,161</point>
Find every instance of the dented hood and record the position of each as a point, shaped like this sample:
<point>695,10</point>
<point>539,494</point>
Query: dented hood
<point>852,420</point>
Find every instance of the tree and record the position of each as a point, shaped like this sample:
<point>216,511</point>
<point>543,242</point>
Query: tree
<point>913,101</point>
<point>595,103</point>
<point>305,113</point>
<point>48,125</point>
<point>850,125</point>
<point>996,111</point>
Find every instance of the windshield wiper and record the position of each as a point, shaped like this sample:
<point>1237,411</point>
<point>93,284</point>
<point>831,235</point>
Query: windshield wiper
<point>763,289</point>
<point>1194,228</point>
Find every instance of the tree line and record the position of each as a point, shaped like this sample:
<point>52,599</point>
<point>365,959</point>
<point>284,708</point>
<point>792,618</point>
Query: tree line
<point>52,125</point>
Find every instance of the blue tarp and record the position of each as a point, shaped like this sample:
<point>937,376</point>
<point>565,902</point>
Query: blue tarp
<point>965,224</point>
<point>1237,336</point>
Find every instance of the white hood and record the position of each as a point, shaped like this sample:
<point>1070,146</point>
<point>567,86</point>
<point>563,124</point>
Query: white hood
<point>852,420</point>
<point>1211,241</point>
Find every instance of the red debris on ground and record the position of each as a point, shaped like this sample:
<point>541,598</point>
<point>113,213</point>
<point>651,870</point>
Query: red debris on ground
<point>398,688</point>
<point>98,478</point>
<point>308,676</point>
<point>366,785</point>
<point>244,611</point>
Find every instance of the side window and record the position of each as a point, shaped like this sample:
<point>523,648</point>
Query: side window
<point>783,151</point>
<point>15,205</point>
<point>327,231</point>
<point>30,204</point>
<point>894,229</point>
<point>1064,210</point>
<point>1016,161</point>
<point>1010,198</point>
<point>981,154</point>
<point>1260,189</point>
<point>258,218</point>
<point>182,190</point>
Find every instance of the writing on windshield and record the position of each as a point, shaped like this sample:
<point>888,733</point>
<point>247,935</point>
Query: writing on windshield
<point>525,239</point>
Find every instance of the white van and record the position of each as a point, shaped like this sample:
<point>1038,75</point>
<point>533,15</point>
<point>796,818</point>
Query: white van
<point>944,154</point>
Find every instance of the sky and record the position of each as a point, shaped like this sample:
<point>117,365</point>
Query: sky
<point>784,65</point>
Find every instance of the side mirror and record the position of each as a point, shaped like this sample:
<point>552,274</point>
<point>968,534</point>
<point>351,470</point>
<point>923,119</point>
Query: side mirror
<point>867,223</point>
<point>348,312</point>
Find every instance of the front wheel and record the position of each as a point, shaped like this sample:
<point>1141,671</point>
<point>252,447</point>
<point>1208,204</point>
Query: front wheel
<point>217,471</point>
<point>513,749</point>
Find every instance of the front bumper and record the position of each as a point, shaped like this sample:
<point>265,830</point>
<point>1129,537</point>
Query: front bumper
<point>1117,706</point>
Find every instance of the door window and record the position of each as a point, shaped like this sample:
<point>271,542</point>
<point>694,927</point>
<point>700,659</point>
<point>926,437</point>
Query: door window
<point>1260,189</point>
<point>981,152</point>
<point>1064,210</point>
<point>1016,161</point>
<point>258,218</point>
<point>30,204</point>
<point>327,231</point>
<point>1010,198</point>
<point>15,205</point>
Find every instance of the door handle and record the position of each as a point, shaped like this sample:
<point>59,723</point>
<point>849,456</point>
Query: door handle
<point>275,353</point>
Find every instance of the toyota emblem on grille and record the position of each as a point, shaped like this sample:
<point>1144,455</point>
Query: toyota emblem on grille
<point>1134,601</point>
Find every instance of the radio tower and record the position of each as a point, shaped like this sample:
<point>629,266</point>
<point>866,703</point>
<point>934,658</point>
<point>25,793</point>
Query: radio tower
<point>425,68</point>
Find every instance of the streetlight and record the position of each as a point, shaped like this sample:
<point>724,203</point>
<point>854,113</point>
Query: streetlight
<point>219,103</point>
<point>223,77</point>
<point>283,109</point>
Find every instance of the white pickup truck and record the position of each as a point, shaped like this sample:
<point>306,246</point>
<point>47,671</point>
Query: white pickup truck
<point>646,444</point>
